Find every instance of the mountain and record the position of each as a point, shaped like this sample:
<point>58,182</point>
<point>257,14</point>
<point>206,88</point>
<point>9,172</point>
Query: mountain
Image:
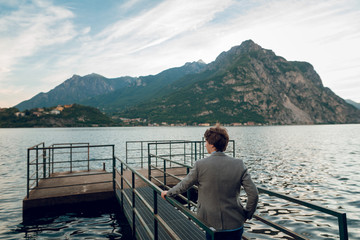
<point>143,88</point>
<point>245,84</point>
<point>355,104</point>
<point>116,93</point>
<point>249,83</point>
<point>75,90</point>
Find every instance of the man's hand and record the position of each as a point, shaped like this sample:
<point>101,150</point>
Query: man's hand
<point>163,194</point>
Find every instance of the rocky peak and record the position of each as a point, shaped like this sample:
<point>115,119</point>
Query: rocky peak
<point>249,83</point>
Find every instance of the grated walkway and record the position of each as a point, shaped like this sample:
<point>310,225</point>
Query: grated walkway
<point>179,223</point>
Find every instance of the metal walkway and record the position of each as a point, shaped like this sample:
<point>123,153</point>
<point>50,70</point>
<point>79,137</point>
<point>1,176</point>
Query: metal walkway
<point>177,221</point>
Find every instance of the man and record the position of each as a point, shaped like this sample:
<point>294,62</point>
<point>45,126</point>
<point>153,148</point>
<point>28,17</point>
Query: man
<point>219,178</point>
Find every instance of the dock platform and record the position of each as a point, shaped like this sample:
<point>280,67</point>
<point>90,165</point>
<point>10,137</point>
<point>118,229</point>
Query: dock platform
<point>68,191</point>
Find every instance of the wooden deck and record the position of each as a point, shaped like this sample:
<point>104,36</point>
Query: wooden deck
<point>66,192</point>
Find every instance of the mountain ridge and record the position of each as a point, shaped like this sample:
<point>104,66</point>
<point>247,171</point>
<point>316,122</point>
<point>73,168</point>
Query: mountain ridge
<point>246,83</point>
<point>355,104</point>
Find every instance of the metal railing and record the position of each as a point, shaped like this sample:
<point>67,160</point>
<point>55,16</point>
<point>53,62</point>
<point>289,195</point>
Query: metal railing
<point>182,150</point>
<point>69,151</point>
<point>157,220</point>
<point>342,222</point>
<point>136,151</point>
<point>43,162</point>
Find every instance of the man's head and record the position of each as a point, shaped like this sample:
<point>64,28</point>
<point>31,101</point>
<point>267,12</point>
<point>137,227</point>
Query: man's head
<point>218,137</point>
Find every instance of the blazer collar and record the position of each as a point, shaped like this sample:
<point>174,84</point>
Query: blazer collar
<point>218,154</point>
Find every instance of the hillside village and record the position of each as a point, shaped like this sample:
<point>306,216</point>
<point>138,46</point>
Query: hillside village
<point>43,111</point>
<point>69,115</point>
<point>144,122</point>
<point>78,115</point>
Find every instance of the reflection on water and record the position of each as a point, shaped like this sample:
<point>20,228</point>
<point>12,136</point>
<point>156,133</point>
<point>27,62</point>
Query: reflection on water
<point>77,226</point>
<point>313,163</point>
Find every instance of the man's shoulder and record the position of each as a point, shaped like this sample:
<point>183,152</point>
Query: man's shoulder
<point>219,156</point>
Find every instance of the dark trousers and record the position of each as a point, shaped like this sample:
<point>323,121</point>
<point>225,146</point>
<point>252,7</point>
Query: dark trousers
<point>231,235</point>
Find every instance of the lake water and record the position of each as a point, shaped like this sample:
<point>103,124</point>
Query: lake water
<point>319,164</point>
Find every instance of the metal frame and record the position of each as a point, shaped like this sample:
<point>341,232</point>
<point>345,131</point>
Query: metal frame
<point>41,161</point>
<point>189,151</point>
<point>152,234</point>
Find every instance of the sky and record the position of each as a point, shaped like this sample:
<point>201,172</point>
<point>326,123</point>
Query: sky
<point>44,42</point>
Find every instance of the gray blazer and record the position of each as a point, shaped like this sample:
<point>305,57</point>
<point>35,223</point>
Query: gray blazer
<point>219,178</point>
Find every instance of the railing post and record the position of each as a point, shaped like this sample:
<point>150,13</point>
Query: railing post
<point>195,152</point>
<point>191,153</point>
<point>233,148</point>
<point>200,150</point>
<point>343,227</point>
<point>164,172</point>
<point>44,163</point>
<point>149,162</point>
<point>114,167</point>
<point>156,153</point>
<point>170,152</point>
<point>49,153</point>
<point>88,157</point>
<point>37,165</point>
<point>188,191</point>
<point>52,159</point>
<point>28,174</point>
<point>126,152</point>
<point>203,147</point>
<point>155,213</point>
<point>122,186</point>
<point>71,157</point>
<point>142,157</point>
<point>133,203</point>
<point>184,152</point>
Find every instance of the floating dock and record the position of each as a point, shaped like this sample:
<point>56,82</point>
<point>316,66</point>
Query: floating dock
<point>64,192</point>
<point>66,177</point>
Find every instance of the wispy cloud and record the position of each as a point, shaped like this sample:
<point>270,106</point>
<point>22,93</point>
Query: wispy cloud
<point>143,38</point>
<point>166,21</point>
<point>28,29</point>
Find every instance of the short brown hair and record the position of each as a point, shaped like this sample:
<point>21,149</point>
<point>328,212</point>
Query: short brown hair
<point>218,137</point>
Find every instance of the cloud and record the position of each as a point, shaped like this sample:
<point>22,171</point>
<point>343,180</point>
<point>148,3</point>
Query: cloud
<point>135,40</point>
<point>158,25</point>
<point>27,29</point>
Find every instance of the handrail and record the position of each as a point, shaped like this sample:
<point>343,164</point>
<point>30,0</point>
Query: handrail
<point>33,147</point>
<point>169,160</point>
<point>342,222</point>
<point>165,174</point>
<point>158,190</point>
